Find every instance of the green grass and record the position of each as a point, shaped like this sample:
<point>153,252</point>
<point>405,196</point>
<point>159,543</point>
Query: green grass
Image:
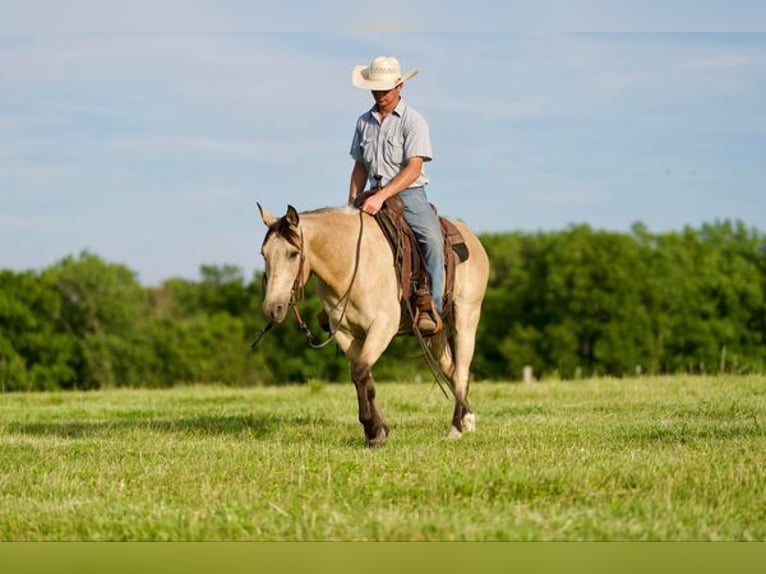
<point>677,458</point>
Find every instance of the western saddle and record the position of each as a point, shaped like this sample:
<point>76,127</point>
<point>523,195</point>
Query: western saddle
<point>409,263</point>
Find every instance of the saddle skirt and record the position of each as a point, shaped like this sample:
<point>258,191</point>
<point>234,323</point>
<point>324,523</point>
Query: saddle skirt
<point>409,263</point>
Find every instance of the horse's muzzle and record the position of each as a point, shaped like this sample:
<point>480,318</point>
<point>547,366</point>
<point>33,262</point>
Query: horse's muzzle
<point>275,311</point>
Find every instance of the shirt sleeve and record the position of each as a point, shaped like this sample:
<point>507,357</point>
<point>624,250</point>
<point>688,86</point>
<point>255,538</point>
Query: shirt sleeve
<point>417,140</point>
<point>356,144</point>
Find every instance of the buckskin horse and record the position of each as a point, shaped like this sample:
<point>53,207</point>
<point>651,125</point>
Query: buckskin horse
<point>353,263</point>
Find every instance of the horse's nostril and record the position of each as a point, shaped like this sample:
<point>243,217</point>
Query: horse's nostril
<point>275,311</point>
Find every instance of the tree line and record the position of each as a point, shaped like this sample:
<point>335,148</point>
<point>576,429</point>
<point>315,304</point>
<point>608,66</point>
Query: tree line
<point>571,303</point>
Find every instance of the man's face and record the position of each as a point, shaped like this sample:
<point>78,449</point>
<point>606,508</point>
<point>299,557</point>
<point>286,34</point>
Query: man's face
<point>387,99</point>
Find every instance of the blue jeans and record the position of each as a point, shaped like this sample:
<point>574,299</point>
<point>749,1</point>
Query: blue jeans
<point>425,223</point>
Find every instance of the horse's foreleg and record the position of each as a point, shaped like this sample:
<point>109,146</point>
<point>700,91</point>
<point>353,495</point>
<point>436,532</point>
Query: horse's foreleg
<point>375,428</point>
<point>362,355</point>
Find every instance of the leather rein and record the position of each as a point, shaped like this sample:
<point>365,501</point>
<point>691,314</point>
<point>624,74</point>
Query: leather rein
<point>298,289</point>
<point>297,295</point>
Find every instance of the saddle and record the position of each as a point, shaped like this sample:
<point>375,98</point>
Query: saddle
<point>409,262</point>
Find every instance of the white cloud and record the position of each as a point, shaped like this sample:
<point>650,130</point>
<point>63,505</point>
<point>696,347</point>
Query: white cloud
<point>191,148</point>
<point>246,69</point>
<point>122,140</point>
<point>135,16</point>
<point>724,61</point>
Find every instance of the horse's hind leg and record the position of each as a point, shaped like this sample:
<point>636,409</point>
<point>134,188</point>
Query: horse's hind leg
<point>455,363</point>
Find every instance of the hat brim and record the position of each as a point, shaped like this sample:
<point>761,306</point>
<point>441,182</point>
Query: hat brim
<point>360,79</point>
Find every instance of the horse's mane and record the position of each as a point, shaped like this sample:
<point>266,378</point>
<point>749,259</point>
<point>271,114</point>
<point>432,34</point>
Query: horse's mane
<point>344,209</point>
<point>282,228</point>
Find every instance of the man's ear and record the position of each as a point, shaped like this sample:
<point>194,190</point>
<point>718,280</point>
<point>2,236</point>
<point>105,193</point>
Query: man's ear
<point>267,218</point>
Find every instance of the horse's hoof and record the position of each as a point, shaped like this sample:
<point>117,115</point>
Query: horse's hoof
<point>454,433</point>
<point>379,439</point>
<point>469,422</point>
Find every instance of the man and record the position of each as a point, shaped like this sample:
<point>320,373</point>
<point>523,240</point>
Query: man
<point>391,143</point>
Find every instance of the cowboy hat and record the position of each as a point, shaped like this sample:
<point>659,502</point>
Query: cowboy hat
<point>383,73</point>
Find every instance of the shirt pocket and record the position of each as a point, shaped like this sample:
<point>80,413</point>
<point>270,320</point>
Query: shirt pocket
<point>394,149</point>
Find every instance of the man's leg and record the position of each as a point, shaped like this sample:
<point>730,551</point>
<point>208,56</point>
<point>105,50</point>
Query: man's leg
<point>424,222</point>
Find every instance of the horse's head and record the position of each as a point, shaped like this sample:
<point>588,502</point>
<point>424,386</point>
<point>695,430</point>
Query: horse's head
<point>282,252</point>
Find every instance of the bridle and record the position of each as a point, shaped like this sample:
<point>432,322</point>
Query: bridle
<point>297,295</point>
<point>297,292</point>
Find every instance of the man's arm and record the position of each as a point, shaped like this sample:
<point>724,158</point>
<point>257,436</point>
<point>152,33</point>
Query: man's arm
<point>358,180</point>
<point>409,173</point>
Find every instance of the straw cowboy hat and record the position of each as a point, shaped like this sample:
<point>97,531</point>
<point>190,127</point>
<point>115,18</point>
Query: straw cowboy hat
<point>383,73</point>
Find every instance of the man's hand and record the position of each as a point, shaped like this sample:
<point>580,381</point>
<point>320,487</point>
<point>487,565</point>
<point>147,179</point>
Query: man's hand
<point>372,203</point>
<point>360,197</point>
<point>369,201</point>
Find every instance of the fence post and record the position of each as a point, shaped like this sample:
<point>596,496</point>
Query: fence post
<point>528,376</point>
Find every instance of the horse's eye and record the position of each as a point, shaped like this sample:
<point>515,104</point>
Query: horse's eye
<point>294,255</point>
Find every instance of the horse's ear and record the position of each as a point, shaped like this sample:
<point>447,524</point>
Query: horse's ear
<point>267,218</point>
<point>292,216</point>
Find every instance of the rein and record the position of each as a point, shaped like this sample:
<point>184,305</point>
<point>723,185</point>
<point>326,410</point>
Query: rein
<point>439,378</point>
<point>259,335</point>
<point>346,297</point>
<point>297,294</point>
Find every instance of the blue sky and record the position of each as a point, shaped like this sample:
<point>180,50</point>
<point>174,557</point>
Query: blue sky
<point>151,149</point>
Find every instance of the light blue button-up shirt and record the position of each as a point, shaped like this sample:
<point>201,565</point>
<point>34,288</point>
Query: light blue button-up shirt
<point>385,147</point>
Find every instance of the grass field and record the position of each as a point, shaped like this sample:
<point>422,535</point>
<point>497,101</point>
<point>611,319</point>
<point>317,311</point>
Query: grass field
<point>677,458</point>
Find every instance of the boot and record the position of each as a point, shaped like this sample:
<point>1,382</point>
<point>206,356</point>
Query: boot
<point>429,323</point>
<point>427,319</point>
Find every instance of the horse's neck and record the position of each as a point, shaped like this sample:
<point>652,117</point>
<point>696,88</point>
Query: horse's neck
<point>331,239</point>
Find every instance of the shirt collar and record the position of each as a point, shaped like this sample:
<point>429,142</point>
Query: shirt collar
<point>398,110</point>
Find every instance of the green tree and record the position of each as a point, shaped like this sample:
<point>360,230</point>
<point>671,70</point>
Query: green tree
<point>712,298</point>
<point>102,309</point>
<point>33,355</point>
